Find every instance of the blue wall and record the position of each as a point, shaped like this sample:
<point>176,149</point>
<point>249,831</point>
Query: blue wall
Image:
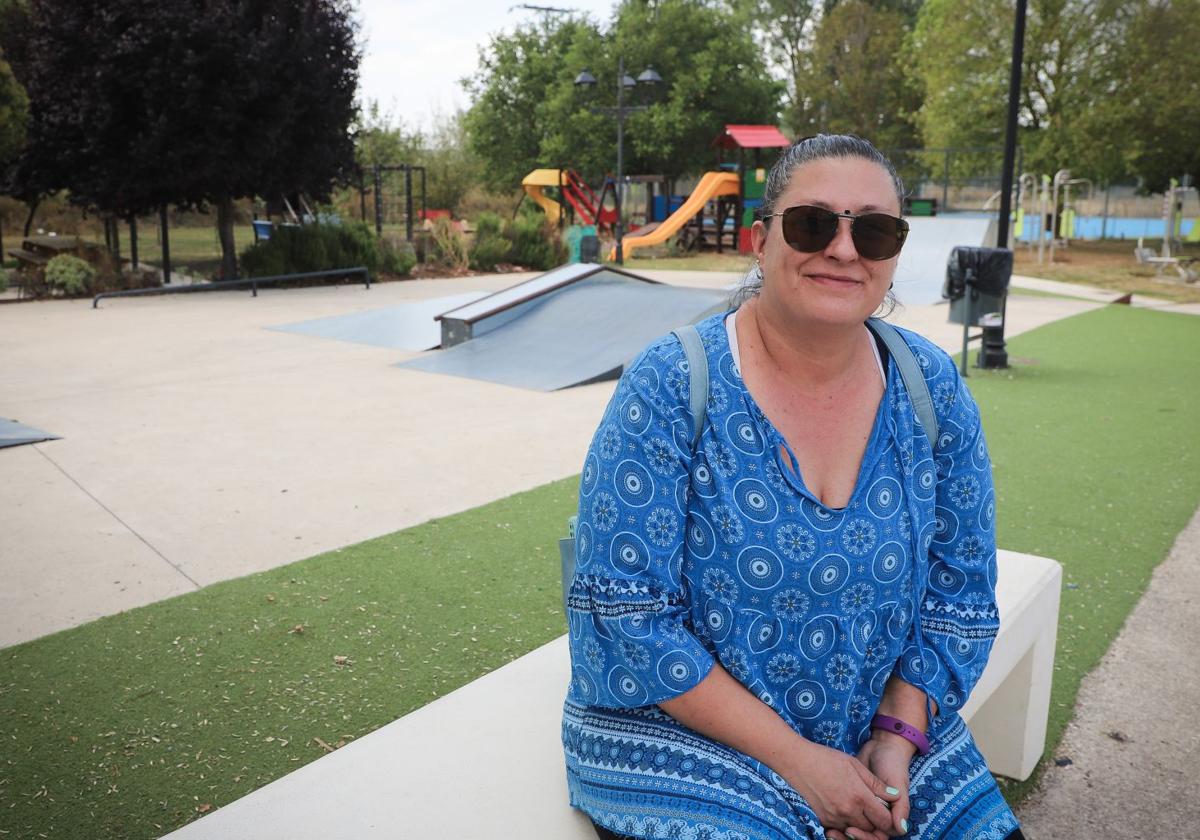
<point>1088,227</point>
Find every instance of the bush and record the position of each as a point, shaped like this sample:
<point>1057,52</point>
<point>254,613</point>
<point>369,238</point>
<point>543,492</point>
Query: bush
<point>449,245</point>
<point>318,247</point>
<point>70,275</point>
<point>396,257</point>
<point>535,243</point>
<point>3,281</point>
<point>491,247</point>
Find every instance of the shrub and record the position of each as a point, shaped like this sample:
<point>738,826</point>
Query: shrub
<point>491,247</point>
<point>296,250</point>
<point>449,245</point>
<point>3,281</point>
<point>70,275</point>
<point>396,257</point>
<point>534,243</point>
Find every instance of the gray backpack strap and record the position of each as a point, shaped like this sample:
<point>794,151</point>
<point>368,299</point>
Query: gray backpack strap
<point>693,348</point>
<point>910,372</point>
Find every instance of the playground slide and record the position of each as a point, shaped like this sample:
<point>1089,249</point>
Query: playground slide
<point>574,190</point>
<point>712,185</point>
<point>533,184</point>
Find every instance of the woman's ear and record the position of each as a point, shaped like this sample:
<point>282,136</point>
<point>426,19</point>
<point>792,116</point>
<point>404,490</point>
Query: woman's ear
<point>758,238</point>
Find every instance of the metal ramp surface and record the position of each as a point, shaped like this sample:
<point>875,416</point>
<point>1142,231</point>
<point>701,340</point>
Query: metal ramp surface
<point>584,332</point>
<point>13,433</point>
<point>922,268</point>
<point>407,326</point>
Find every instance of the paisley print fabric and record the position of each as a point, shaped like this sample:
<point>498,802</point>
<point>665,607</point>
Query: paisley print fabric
<point>689,558</point>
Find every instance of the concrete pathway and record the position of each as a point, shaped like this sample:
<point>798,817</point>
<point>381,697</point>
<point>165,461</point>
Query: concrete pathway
<point>1134,745</point>
<point>199,446</point>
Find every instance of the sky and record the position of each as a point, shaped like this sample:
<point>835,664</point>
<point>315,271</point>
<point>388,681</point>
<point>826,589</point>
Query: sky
<point>417,50</point>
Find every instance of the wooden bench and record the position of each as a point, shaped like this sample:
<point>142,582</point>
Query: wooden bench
<point>485,762</point>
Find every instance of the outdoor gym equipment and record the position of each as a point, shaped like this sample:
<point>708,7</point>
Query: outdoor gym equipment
<point>1172,236</point>
<point>1063,221</point>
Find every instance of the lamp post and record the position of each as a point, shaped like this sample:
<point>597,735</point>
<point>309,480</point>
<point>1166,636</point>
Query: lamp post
<point>648,78</point>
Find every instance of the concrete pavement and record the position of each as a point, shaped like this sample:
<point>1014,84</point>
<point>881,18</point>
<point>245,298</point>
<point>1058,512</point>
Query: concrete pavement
<point>1133,747</point>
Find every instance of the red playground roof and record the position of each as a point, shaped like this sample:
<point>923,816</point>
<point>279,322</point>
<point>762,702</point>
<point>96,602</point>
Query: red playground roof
<point>752,137</point>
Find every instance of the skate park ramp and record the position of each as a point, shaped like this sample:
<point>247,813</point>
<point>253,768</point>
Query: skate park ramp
<point>585,331</point>
<point>922,268</point>
<point>409,326</point>
<point>13,433</point>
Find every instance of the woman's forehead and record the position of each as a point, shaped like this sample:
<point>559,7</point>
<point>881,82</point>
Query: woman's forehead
<point>842,183</point>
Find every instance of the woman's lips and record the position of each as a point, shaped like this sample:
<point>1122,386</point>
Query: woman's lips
<point>834,280</point>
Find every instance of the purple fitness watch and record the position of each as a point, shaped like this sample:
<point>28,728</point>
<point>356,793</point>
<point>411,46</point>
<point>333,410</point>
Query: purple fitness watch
<point>905,730</point>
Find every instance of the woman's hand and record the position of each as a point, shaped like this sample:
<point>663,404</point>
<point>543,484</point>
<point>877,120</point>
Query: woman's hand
<point>849,799</point>
<point>888,756</point>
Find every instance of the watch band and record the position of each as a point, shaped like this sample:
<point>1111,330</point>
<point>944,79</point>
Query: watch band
<point>905,730</point>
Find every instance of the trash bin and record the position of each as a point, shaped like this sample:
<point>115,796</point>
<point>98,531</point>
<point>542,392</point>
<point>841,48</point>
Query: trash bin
<point>976,282</point>
<point>976,285</point>
<point>589,249</point>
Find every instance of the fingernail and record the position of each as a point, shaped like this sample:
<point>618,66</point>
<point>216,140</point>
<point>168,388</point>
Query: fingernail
<point>904,825</point>
<point>893,791</point>
<point>849,834</point>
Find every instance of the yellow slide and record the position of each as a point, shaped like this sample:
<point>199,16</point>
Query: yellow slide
<point>712,185</point>
<point>533,184</point>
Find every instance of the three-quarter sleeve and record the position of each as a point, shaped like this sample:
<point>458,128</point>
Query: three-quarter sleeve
<point>957,611</point>
<point>630,637</point>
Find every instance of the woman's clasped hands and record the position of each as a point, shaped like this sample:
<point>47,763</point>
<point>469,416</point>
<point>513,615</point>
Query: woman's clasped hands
<point>863,798</point>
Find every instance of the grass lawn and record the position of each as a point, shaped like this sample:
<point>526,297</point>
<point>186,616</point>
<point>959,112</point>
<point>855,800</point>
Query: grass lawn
<point>138,723</point>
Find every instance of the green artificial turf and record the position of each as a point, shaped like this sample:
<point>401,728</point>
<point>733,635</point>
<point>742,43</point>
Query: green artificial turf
<point>1094,446</point>
<point>138,723</point>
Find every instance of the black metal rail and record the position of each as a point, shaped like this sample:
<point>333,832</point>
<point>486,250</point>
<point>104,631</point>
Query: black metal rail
<point>252,282</point>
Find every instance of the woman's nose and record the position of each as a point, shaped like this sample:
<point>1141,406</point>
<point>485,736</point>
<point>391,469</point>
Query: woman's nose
<point>841,247</point>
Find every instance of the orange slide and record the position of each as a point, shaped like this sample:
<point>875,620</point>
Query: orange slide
<point>712,185</point>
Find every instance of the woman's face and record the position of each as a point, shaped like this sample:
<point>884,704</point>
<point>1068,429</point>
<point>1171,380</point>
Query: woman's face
<point>834,286</point>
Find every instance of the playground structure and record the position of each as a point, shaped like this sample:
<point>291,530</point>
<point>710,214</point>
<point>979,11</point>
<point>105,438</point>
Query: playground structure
<point>716,214</point>
<point>575,198</point>
<point>734,190</point>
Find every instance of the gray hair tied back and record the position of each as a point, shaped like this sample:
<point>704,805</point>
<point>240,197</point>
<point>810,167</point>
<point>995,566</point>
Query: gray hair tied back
<point>806,150</point>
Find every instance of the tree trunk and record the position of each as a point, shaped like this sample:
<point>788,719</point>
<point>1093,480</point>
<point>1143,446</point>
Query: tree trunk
<point>225,233</point>
<point>33,206</point>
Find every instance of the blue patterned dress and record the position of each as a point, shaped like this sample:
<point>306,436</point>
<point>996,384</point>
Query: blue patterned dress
<point>722,555</point>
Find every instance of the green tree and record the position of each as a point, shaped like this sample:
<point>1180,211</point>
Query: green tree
<point>527,111</point>
<point>135,104</point>
<point>1146,80</point>
<point>14,112</point>
<point>855,80</point>
<point>451,167</point>
<point>965,76</point>
<point>786,28</point>
<point>509,119</point>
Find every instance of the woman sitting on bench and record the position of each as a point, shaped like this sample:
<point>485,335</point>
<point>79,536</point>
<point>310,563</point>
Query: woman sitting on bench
<point>781,599</point>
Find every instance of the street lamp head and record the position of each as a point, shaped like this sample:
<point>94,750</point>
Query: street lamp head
<point>628,82</point>
<point>585,80</point>
<point>649,76</point>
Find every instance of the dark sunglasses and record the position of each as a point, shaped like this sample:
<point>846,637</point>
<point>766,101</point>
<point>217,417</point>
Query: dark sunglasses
<point>876,236</point>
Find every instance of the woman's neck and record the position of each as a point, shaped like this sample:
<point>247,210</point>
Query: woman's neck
<point>812,354</point>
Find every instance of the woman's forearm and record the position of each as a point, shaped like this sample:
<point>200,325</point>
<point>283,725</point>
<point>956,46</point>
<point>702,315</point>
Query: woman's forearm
<point>904,700</point>
<point>724,710</point>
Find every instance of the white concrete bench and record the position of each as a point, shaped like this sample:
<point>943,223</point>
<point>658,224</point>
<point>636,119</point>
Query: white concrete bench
<point>485,762</point>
